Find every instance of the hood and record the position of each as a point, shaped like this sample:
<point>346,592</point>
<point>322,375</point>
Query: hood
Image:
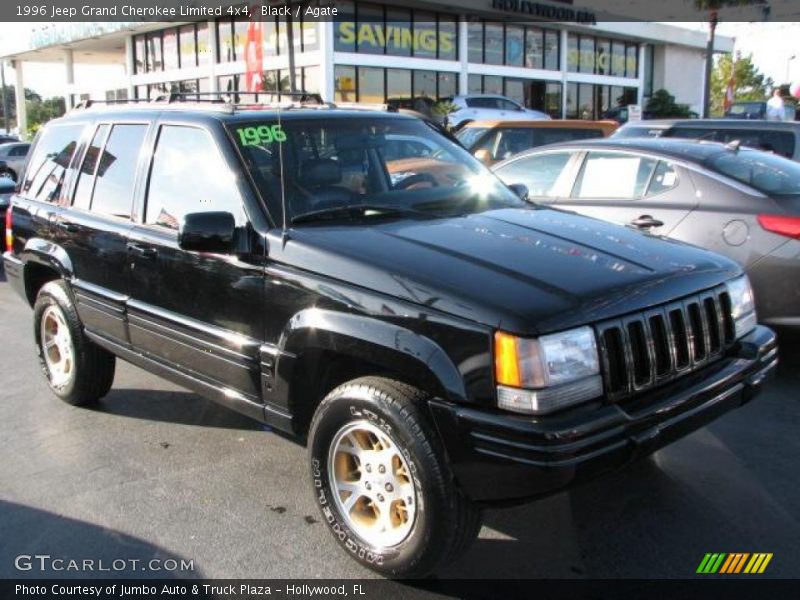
<point>525,270</point>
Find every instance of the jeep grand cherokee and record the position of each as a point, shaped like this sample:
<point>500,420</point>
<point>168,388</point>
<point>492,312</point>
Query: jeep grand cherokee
<point>440,343</point>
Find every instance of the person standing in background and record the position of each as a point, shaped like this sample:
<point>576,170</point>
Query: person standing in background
<point>775,109</point>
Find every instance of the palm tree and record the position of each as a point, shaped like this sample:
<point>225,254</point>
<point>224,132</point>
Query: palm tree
<point>713,7</point>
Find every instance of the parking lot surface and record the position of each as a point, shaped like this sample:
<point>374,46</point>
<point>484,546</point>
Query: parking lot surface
<point>157,472</point>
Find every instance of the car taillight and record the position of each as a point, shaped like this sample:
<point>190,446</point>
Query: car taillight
<point>788,226</point>
<point>9,231</point>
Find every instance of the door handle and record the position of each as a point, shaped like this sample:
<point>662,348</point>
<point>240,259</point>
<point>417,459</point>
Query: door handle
<point>646,222</point>
<point>146,252</point>
<point>66,226</point>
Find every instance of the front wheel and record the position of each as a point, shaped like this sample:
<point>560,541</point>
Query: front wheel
<point>381,482</point>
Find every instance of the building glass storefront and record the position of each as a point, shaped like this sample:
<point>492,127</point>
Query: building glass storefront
<point>513,45</point>
<point>420,65</point>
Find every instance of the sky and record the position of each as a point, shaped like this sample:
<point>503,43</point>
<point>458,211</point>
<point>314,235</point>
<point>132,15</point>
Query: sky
<point>771,44</point>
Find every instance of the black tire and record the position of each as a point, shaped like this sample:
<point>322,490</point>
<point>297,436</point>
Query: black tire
<point>8,173</point>
<point>445,522</point>
<point>92,371</point>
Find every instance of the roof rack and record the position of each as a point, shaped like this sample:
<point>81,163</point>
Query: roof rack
<point>230,99</point>
<point>83,104</point>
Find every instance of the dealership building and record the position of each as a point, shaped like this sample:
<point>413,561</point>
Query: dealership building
<point>577,65</point>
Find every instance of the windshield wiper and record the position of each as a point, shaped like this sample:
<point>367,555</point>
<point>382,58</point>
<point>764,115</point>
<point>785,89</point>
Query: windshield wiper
<point>356,211</point>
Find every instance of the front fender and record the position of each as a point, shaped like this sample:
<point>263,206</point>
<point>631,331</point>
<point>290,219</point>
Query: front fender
<point>379,342</point>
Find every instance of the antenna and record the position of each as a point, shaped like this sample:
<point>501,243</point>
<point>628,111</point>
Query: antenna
<point>283,178</point>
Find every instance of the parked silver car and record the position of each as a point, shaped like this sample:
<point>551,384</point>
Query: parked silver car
<point>12,158</point>
<point>737,201</point>
<point>489,107</point>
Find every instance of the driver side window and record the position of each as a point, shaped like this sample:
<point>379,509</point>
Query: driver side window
<point>189,175</point>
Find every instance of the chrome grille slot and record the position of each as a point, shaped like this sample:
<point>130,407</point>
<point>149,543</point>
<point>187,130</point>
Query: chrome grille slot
<point>642,350</point>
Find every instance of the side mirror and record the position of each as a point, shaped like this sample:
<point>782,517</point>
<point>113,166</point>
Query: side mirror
<point>483,155</point>
<point>520,189</point>
<point>207,232</point>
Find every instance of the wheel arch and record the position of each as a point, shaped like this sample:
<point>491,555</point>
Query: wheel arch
<point>44,262</point>
<point>329,348</point>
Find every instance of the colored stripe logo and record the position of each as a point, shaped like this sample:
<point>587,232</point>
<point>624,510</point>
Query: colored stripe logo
<point>734,563</point>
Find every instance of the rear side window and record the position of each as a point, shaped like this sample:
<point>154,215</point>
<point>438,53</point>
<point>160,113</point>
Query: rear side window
<point>611,175</point>
<point>116,171</point>
<point>83,191</point>
<point>189,175</point>
<point>483,103</point>
<point>44,178</point>
<point>552,135</point>
<point>18,151</point>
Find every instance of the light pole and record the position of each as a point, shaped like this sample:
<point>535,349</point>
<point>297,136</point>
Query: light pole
<point>788,68</point>
<point>712,29</point>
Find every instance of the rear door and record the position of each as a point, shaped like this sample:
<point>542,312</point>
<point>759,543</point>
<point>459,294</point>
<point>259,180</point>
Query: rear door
<point>200,313</point>
<point>645,192</point>
<point>94,231</point>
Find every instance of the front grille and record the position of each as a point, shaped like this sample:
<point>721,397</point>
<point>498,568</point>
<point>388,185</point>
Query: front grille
<point>643,350</point>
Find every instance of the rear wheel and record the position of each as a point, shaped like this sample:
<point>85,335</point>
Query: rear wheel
<point>381,481</point>
<point>77,371</point>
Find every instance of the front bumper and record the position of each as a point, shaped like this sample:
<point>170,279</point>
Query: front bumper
<point>498,456</point>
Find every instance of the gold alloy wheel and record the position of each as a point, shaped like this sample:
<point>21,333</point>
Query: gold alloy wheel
<point>371,484</point>
<point>57,346</point>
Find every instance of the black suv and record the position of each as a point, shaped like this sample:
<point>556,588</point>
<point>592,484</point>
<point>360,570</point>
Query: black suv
<point>440,343</point>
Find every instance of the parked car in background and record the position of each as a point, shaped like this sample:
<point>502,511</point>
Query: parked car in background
<point>742,203</point>
<point>492,141</point>
<point>12,157</point>
<point>6,138</point>
<point>782,138</point>
<point>756,110</point>
<point>488,107</point>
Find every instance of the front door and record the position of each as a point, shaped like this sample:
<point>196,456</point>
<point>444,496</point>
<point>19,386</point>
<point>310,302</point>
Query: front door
<point>200,313</point>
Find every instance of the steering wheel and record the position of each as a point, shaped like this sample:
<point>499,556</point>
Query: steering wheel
<point>416,178</point>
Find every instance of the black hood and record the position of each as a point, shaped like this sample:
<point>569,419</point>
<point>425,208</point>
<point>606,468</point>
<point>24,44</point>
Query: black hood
<point>522,270</point>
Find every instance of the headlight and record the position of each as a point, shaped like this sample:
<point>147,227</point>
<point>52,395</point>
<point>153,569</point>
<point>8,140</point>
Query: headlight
<point>743,308</point>
<point>539,376</point>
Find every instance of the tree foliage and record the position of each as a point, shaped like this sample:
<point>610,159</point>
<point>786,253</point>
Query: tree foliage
<point>662,105</point>
<point>749,82</point>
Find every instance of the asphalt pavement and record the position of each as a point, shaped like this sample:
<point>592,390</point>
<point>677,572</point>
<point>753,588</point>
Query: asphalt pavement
<point>156,472</point>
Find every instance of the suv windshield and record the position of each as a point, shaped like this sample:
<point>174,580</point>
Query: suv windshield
<point>768,173</point>
<point>364,166</point>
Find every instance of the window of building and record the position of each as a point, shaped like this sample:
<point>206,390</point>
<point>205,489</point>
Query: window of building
<point>113,187</point>
<point>345,83</point>
<point>603,57</point>
<point>188,46</point>
<point>170,48</point>
<point>534,48</point>
<point>398,83</point>
<point>475,41</point>
<point>83,191</point>
<point>552,50</point>
<point>425,34</point>
<point>48,165</point>
<point>309,32</point>
<point>515,45</point>
<point>493,43</point>
<point>378,85</point>
<point>586,49</point>
<point>188,175</point>
<point>154,52</point>
<point>618,59</point>
<point>374,29</point>
<point>448,37</point>
<point>632,60</point>
<point>573,53</point>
